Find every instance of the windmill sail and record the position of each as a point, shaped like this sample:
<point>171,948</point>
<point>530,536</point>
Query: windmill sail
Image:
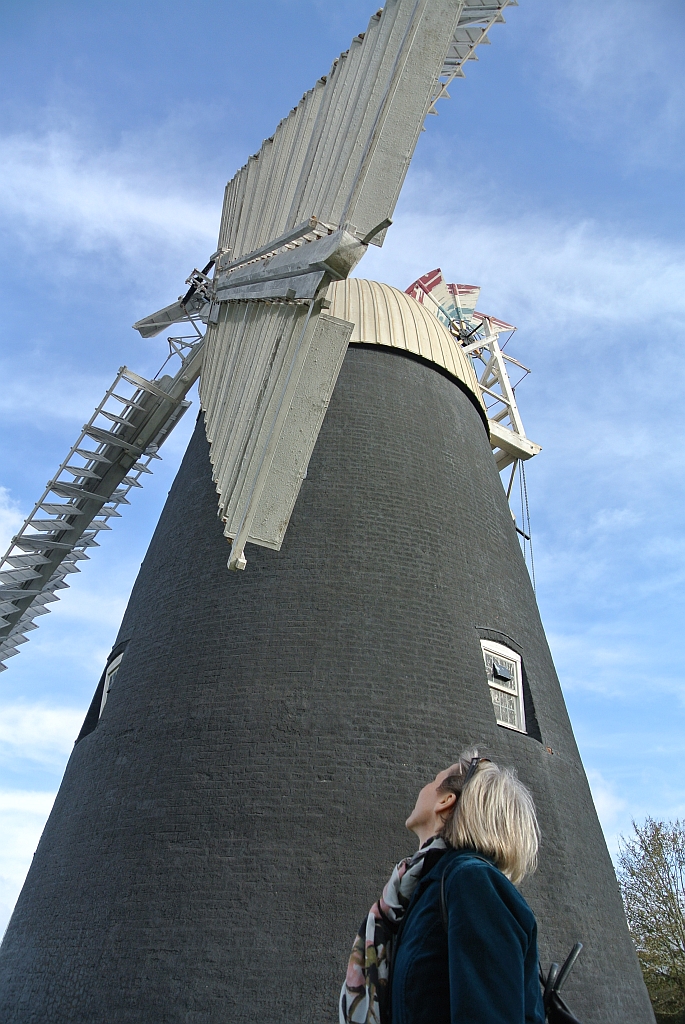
<point>296,217</point>
<point>111,454</point>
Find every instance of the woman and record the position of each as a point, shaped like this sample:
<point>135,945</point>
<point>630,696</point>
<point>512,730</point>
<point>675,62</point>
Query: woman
<point>461,938</point>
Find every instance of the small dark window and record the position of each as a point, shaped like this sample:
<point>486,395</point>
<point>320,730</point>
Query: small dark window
<point>110,676</point>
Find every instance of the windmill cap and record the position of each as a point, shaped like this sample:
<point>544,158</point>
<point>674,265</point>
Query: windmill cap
<point>383,315</point>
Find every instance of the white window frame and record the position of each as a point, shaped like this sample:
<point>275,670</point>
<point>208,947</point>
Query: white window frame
<point>499,686</point>
<point>110,673</point>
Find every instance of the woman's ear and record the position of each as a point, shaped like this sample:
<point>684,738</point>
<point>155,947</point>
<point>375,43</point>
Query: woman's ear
<point>445,803</point>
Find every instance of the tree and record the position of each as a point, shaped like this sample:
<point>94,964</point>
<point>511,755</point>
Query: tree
<point>652,879</point>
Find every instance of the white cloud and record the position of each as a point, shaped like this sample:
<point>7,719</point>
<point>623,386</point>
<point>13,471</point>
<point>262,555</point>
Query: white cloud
<point>589,58</point>
<point>613,71</point>
<point>612,810</point>
<point>540,273</point>
<point>611,519</point>
<point>610,806</point>
<point>38,732</point>
<point>22,817</point>
<point>603,662</point>
<point>81,648</point>
<point>26,801</point>
<point>54,188</point>
<point>59,396</point>
<point>96,607</point>
<point>11,518</point>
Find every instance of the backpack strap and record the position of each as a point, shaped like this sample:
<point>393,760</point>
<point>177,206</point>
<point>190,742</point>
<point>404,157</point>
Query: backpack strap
<point>443,907</point>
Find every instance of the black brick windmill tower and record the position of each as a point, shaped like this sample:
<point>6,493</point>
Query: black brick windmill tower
<point>236,795</point>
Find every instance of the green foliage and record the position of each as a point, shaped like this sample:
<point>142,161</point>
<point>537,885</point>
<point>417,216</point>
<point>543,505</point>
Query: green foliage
<point>652,879</point>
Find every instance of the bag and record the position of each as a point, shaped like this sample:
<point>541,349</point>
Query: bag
<point>556,1010</point>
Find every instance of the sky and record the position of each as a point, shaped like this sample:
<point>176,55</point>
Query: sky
<point>552,178</point>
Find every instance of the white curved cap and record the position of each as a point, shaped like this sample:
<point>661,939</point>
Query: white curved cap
<point>383,315</point>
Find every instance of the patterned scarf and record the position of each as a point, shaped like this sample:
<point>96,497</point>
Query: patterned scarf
<point>364,998</point>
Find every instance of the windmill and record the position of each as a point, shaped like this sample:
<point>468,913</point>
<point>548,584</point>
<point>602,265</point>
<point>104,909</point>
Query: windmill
<point>342,152</point>
<point>237,785</point>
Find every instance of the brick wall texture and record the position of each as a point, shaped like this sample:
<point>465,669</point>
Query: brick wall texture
<point>219,836</point>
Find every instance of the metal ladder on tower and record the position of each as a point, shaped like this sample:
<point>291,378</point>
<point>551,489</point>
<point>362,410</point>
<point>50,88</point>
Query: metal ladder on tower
<point>113,451</point>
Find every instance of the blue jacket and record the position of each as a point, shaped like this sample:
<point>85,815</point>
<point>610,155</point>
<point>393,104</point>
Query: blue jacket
<point>484,969</point>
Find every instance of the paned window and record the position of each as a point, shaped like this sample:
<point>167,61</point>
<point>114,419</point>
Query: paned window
<point>503,669</point>
<point>110,676</point>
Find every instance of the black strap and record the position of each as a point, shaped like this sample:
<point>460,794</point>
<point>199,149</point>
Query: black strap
<point>443,905</point>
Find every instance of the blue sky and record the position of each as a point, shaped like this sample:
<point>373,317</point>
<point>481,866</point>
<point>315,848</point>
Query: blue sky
<point>552,178</point>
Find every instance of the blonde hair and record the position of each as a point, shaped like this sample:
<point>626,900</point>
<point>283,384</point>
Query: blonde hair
<point>495,815</point>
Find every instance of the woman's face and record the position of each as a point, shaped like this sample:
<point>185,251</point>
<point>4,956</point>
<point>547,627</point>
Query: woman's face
<point>426,818</point>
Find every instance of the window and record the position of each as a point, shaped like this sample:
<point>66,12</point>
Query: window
<point>503,669</point>
<point>110,676</point>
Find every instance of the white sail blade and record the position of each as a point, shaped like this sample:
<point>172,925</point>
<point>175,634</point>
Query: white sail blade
<point>276,369</point>
<point>342,153</point>
<point>298,215</point>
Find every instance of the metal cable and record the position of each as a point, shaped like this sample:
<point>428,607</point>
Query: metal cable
<point>530,532</point>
